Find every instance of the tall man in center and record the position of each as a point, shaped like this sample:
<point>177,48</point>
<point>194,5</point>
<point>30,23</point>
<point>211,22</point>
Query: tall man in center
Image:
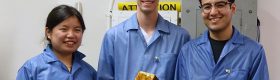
<point>145,42</point>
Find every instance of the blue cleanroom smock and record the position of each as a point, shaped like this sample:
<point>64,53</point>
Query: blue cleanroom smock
<point>46,66</point>
<point>124,50</point>
<point>241,59</point>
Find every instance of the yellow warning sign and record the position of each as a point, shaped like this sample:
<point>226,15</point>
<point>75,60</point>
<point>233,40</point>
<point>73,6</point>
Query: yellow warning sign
<point>163,6</point>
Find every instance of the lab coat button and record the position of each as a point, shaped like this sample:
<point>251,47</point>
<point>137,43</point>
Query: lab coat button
<point>157,59</point>
<point>228,71</point>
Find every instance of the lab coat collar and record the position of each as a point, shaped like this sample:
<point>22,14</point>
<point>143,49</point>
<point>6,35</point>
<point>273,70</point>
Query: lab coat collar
<point>132,24</point>
<point>51,57</point>
<point>236,38</point>
<point>162,25</point>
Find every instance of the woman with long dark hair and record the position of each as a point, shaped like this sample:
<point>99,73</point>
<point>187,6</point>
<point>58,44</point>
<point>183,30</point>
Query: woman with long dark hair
<point>61,59</point>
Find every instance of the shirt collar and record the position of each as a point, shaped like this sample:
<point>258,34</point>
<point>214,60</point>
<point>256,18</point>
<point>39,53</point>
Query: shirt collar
<point>132,24</point>
<point>51,57</point>
<point>236,37</point>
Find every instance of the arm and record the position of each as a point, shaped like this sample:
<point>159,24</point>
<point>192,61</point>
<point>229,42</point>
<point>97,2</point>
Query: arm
<point>186,36</point>
<point>106,61</point>
<point>180,72</point>
<point>259,70</point>
<point>23,74</point>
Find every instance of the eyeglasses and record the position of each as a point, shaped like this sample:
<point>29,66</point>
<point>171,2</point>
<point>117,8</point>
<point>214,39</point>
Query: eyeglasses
<point>206,8</point>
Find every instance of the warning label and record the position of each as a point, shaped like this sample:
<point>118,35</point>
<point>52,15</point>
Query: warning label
<point>163,6</point>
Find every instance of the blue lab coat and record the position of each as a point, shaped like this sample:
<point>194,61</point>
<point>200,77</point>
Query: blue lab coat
<point>124,51</point>
<point>46,66</point>
<point>241,59</point>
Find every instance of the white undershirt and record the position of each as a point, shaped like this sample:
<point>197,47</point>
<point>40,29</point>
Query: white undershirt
<point>146,36</point>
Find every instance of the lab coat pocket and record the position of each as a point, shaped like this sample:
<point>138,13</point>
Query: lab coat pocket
<point>168,58</point>
<point>237,74</point>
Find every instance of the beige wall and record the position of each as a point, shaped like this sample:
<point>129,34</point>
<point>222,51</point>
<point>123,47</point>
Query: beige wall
<point>269,14</point>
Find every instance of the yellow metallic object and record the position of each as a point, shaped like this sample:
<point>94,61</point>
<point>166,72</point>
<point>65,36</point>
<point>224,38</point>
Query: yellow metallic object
<point>145,76</point>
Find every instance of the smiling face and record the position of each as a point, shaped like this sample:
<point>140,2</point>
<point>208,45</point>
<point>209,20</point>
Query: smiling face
<point>219,18</point>
<point>66,37</point>
<point>147,6</point>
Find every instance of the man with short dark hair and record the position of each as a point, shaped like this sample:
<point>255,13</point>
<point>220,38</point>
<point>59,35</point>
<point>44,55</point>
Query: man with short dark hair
<point>222,52</point>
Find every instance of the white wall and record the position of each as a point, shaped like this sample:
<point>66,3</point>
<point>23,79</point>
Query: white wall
<point>21,31</point>
<point>22,25</point>
<point>268,12</point>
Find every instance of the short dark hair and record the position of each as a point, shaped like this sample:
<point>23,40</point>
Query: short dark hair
<point>61,13</point>
<point>231,1</point>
